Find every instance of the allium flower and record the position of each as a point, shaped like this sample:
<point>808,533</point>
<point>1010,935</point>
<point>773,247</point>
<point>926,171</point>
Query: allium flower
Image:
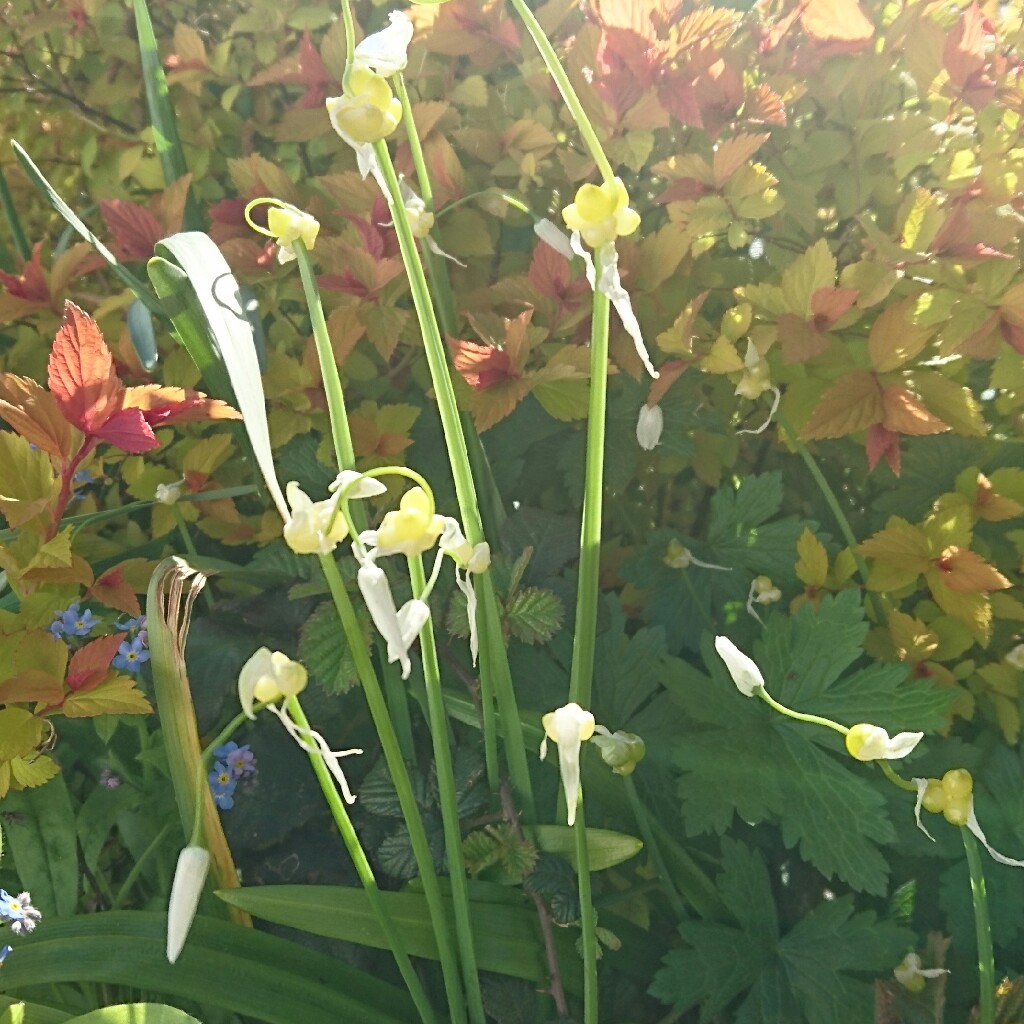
<point>189,878</point>
<point>469,559</point>
<point>168,494</point>
<point>398,627</point>
<point>745,674</point>
<point>269,676</point>
<point>131,655</point>
<point>649,426</point>
<point>411,529</point>
<point>19,911</point>
<point>568,726</point>
<point>367,111</point>
<point>868,742</point>
<point>621,751</point>
<point>314,527</point>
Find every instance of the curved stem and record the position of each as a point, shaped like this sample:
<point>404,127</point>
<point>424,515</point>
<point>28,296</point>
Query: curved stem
<point>896,780</point>
<point>800,716</point>
<point>355,850</point>
<point>449,803</point>
<point>986,958</point>
<point>588,918</point>
<point>554,65</point>
<point>587,591</point>
<point>403,787</point>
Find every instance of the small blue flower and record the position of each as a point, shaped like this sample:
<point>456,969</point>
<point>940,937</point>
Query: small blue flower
<point>131,624</point>
<point>240,760</point>
<point>19,911</point>
<point>222,785</point>
<point>131,655</point>
<point>72,621</point>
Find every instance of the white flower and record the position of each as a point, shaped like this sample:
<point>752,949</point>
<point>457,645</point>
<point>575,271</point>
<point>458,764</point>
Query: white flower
<point>911,975</point>
<point>679,557</point>
<point>549,233</point>
<point>756,379</point>
<point>314,527</point>
<point>868,742</point>
<point>352,485</point>
<point>168,494</point>
<point>649,426</point>
<point>762,591</point>
<point>398,628</point>
<point>189,878</point>
<point>386,52</point>
<point>745,674</point>
<point>608,283</point>
<point>269,676</point>
<point>469,559</point>
<point>569,726</point>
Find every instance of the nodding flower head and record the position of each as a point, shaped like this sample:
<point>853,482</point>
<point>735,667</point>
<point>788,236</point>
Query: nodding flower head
<point>289,225</point>
<point>367,111</point>
<point>872,743</point>
<point>568,726</point>
<point>269,676</point>
<point>314,527</point>
<point>601,213</point>
<point>412,528</point>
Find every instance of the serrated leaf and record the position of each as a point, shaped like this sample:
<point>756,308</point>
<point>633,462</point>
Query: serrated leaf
<point>324,650</point>
<point>117,695</point>
<point>535,615</point>
<point>812,559</point>
<point>851,404</point>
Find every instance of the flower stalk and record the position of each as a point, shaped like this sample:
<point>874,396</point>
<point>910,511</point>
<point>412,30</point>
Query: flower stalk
<point>983,929</point>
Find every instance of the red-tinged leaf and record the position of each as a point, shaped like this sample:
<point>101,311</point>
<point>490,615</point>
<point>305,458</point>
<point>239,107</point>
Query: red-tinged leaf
<point>113,590</point>
<point>906,414</point>
<point>33,412</point>
<point>135,230</point>
<point>852,403</point>
<point>90,665</point>
<point>31,686</point>
<point>799,340</point>
<point>837,21</point>
<point>551,275</point>
<point>881,442</point>
<point>161,405</point>
<point>764,106</point>
<point>964,55</point>
<point>966,572</point>
<point>129,431</point>
<point>669,373</point>
<point>830,304</point>
<point>313,74</point>
<point>81,372</point>
<point>482,366</point>
<point>30,284</point>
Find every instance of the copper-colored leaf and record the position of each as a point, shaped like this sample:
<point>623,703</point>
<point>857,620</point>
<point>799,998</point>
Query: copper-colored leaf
<point>113,590</point>
<point>81,372</point>
<point>90,665</point>
<point>906,414</point>
<point>136,231</point>
<point>836,21</point>
<point>966,572</point>
<point>161,405</point>
<point>732,154</point>
<point>32,411</point>
<point>879,442</point>
<point>483,366</point>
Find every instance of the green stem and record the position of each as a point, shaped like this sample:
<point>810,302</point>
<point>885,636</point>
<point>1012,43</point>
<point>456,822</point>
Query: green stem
<point>588,918</point>
<point>449,804</point>
<point>137,867</point>
<point>203,766</point>
<point>986,959</point>
<point>355,850</point>
<point>403,787</point>
<point>896,780</point>
<point>494,658</point>
<point>587,591</point>
<point>554,65</point>
<point>13,220</point>
<point>653,848</point>
<point>837,510</point>
<point>800,716</point>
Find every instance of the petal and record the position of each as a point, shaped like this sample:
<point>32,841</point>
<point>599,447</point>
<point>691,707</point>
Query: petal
<point>257,668</point>
<point>922,786</point>
<point>902,744</point>
<point>553,236</point>
<point>376,591</point>
<point>745,673</point>
<point>367,486</point>
<point>189,879</point>
<point>649,426</point>
<point>975,828</point>
<point>386,52</point>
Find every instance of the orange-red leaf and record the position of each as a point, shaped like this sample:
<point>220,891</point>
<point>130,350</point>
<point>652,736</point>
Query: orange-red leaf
<point>129,431</point>
<point>905,414</point>
<point>852,403</point>
<point>81,372</point>
<point>31,283</point>
<point>91,664</point>
<point>161,405</point>
<point>879,442</point>
<point>113,590</point>
<point>136,231</point>
<point>483,366</point>
<point>33,412</point>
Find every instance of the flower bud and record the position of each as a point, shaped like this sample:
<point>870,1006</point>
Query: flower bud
<point>368,110</point>
<point>189,879</point>
<point>621,751</point>
<point>168,494</point>
<point>745,673</point>
<point>649,426</point>
<point>957,784</point>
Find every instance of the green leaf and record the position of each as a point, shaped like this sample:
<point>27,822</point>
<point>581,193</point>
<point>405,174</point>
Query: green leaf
<point>136,1013</point>
<point>535,615</point>
<point>142,335</point>
<point>325,652</point>
<point>14,1011</point>
<point>507,935</point>
<point>802,977</point>
<point>241,970</point>
<point>605,847</point>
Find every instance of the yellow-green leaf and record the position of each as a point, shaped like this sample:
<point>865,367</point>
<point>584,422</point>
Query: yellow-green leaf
<point>29,484</point>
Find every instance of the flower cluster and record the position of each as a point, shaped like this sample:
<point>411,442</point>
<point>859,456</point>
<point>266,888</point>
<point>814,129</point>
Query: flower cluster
<point>19,912</point>
<point>72,621</point>
<point>134,650</point>
<point>233,764</point>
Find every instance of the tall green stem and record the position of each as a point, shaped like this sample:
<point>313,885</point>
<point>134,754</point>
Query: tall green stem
<point>403,787</point>
<point>800,716</point>
<point>494,659</point>
<point>449,804</point>
<point>588,918</point>
<point>554,65</point>
<point>587,592</point>
<point>653,848</point>
<point>986,958</point>
<point>355,850</point>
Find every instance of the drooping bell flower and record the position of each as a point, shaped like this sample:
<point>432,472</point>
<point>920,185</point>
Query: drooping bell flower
<point>868,742</point>
<point>269,676</point>
<point>568,727</point>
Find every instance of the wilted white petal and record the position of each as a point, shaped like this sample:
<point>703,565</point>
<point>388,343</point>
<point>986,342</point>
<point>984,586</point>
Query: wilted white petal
<point>464,582</point>
<point>922,786</point>
<point>367,486</point>
<point>975,828</point>
<point>429,242</point>
<point>386,52</point>
<point>376,591</point>
<point>608,283</point>
<point>911,968</point>
<point>771,413</point>
<point>1015,657</point>
<point>168,494</point>
<point>332,758</point>
<point>569,726</point>
<point>745,673</point>
<point>552,235</point>
<point>649,426</point>
<point>189,879</point>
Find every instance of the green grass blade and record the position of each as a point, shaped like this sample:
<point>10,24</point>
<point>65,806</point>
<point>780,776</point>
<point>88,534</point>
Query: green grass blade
<point>161,112</point>
<point>507,935</point>
<point>13,220</point>
<point>121,272</point>
<point>252,974</point>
